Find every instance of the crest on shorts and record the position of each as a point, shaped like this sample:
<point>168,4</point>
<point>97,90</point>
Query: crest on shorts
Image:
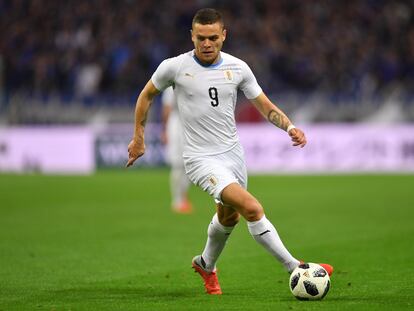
<point>228,74</point>
<point>213,180</point>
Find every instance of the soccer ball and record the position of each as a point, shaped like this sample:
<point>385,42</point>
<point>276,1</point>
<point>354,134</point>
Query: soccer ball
<point>309,281</point>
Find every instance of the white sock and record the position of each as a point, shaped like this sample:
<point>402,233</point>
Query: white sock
<point>265,233</point>
<point>179,184</point>
<point>217,238</point>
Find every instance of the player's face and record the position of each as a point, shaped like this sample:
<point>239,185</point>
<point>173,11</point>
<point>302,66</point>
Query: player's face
<point>208,41</point>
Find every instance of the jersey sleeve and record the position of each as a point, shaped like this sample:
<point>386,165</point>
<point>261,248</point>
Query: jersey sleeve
<point>164,76</point>
<point>249,85</point>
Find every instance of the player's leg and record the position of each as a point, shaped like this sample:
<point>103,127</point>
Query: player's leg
<point>217,235</point>
<point>212,174</point>
<point>259,226</point>
<point>179,182</point>
<point>179,185</point>
<point>218,232</point>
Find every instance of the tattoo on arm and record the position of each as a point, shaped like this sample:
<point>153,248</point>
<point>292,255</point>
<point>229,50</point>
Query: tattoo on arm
<point>278,119</point>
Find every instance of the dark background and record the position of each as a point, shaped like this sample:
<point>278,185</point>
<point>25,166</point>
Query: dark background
<point>342,59</point>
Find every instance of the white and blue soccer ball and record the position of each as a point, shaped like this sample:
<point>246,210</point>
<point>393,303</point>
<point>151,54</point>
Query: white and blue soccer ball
<point>309,281</point>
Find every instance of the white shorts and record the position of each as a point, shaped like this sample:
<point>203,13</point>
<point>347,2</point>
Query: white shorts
<point>213,173</point>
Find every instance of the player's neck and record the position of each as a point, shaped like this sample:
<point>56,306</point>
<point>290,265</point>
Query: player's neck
<point>206,64</point>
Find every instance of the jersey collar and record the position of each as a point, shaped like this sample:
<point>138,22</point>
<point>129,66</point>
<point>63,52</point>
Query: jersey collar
<point>208,66</point>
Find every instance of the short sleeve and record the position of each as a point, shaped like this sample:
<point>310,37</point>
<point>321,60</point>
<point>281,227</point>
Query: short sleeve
<point>164,76</point>
<point>249,85</point>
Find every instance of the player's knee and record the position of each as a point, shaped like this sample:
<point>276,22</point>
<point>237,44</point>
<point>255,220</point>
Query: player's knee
<point>253,210</point>
<point>230,220</point>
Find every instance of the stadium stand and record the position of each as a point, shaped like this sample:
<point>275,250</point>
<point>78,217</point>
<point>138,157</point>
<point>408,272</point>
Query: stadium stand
<point>322,60</point>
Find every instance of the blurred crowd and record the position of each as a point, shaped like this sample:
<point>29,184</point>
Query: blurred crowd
<point>84,48</point>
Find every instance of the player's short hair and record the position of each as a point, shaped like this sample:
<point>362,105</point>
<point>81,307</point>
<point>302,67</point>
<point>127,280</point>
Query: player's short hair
<point>208,16</point>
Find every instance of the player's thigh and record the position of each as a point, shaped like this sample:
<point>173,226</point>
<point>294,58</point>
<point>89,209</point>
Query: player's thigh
<point>213,173</point>
<point>236,163</point>
<point>242,201</point>
<point>209,175</point>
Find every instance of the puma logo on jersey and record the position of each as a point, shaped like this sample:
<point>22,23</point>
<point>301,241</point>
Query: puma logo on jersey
<point>189,75</point>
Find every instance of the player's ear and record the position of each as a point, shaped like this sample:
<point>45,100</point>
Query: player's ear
<point>192,35</point>
<point>224,34</point>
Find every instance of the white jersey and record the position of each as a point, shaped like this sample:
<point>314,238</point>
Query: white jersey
<point>206,98</point>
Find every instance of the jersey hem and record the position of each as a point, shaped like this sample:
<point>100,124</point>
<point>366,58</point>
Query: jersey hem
<point>196,155</point>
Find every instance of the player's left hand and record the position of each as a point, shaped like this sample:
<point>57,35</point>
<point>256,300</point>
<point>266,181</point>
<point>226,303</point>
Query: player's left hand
<point>298,137</point>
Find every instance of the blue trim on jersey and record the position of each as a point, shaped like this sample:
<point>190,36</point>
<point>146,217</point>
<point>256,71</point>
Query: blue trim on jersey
<point>208,66</point>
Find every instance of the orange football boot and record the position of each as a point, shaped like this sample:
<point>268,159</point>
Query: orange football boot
<point>184,208</point>
<point>211,282</point>
<point>326,266</point>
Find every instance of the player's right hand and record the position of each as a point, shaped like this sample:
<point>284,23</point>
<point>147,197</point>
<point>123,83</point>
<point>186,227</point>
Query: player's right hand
<point>298,137</point>
<point>136,149</point>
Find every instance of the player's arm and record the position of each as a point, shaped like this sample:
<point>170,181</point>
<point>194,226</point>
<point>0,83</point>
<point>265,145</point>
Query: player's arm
<point>277,117</point>
<point>136,147</point>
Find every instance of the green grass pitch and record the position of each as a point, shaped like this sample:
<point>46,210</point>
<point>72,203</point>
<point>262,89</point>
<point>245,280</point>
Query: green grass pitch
<point>110,242</point>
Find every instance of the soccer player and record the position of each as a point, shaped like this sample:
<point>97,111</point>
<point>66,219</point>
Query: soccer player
<point>205,82</point>
<point>173,138</point>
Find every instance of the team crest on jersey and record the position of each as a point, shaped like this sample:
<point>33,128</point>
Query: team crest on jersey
<point>213,180</point>
<point>228,74</point>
